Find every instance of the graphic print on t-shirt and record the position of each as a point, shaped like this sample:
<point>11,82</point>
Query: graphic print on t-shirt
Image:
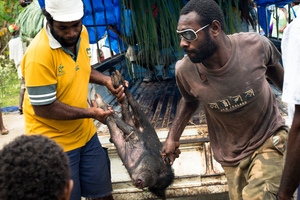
<point>233,102</point>
<point>61,70</point>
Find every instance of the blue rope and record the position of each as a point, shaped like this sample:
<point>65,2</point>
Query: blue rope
<point>293,11</point>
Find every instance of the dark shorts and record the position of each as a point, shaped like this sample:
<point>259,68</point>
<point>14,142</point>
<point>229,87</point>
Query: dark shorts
<point>90,170</point>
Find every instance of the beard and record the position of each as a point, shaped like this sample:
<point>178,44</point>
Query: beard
<point>62,40</point>
<point>203,51</point>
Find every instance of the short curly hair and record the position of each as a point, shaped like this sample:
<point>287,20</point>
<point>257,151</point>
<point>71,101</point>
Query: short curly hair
<point>33,167</point>
<point>208,10</point>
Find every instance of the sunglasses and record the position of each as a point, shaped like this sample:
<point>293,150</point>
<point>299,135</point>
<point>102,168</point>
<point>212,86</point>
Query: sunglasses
<point>189,34</point>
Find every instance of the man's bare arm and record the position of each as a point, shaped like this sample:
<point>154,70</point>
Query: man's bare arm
<point>101,79</point>
<point>291,173</point>
<point>60,111</point>
<point>183,114</point>
<point>275,74</point>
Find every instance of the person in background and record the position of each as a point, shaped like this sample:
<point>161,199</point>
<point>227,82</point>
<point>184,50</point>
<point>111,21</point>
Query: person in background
<point>290,47</point>
<point>34,167</point>
<point>25,3</point>
<point>281,17</point>
<point>3,130</point>
<point>57,71</point>
<point>253,15</point>
<point>226,73</point>
<point>16,52</point>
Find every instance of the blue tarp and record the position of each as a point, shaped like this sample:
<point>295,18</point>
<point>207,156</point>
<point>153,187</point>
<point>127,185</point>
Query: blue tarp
<point>9,109</point>
<point>265,24</point>
<point>269,2</point>
<point>97,9</point>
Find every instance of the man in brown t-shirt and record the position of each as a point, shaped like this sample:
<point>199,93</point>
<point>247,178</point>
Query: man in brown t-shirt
<point>227,74</point>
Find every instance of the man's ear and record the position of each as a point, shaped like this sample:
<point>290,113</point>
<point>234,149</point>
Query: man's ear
<point>68,190</point>
<point>215,28</point>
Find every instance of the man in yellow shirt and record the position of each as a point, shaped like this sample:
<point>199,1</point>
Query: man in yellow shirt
<point>57,70</point>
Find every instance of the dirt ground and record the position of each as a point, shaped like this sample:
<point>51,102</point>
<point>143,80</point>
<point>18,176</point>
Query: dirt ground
<point>14,122</point>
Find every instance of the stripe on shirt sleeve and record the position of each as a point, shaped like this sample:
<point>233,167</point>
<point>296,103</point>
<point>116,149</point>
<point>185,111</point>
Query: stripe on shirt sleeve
<point>42,95</point>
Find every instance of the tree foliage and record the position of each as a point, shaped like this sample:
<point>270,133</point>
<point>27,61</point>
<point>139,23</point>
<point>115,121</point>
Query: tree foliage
<point>9,10</point>
<point>152,24</point>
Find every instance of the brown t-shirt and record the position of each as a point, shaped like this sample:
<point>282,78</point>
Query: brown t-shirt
<point>240,106</point>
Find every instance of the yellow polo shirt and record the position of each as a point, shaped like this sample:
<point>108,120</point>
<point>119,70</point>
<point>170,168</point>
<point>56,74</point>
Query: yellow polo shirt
<point>51,72</point>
